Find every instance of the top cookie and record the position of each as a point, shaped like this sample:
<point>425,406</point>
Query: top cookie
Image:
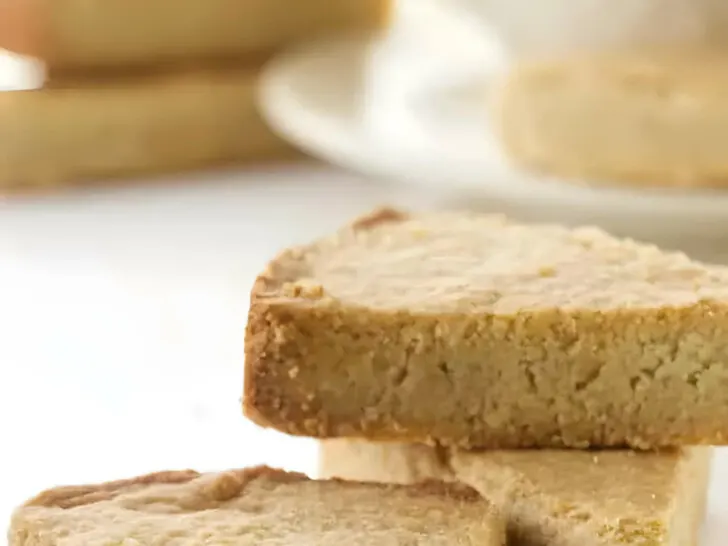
<point>477,331</point>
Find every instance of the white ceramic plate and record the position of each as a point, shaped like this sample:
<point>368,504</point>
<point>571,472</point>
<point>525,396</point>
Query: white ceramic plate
<point>319,97</point>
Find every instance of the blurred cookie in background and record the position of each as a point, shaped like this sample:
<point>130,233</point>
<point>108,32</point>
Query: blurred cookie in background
<point>74,131</point>
<point>98,34</point>
<point>556,27</point>
<point>651,118</point>
<point>115,88</point>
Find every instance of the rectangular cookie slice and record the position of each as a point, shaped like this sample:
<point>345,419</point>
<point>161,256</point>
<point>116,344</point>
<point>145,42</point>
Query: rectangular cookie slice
<point>654,118</point>
<point>155,122</point>
<point>475,331</point>
<point>257,506</point>
<point>554,497</point>
<point>103,34</point>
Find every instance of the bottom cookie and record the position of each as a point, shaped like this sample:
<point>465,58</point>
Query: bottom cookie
<point>551,497</point>
<point>256,506</point>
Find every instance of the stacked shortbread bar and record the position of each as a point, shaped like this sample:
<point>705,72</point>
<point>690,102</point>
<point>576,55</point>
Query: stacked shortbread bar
<point>564,374</point>
<point>256,507</point>
<point>149,86</point>
<point>475,382</point>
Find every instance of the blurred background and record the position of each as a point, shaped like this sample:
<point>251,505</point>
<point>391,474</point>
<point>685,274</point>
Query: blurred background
<point>154,156</point>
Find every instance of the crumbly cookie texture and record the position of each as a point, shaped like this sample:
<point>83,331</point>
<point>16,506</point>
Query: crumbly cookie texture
<point>475,331</point>
<point>554,497</point>
<point>650,118</point>
<point>258,506</point>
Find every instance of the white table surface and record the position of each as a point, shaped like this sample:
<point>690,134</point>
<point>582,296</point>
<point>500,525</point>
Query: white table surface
<point>122,315</point>
<point>121,322</point>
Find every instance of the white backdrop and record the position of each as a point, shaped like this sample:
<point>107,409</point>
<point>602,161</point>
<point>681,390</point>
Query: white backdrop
<point>122,315</point>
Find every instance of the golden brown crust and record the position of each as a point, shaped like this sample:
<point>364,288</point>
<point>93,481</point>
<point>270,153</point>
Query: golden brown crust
<point>71,496</point>
<point>454,491</point>
<point>266,342</point>
<point>256,507</point>
<point>378,217</point>
<point>225,486</point>
<point>256,347</point>
<point>573,336</point>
